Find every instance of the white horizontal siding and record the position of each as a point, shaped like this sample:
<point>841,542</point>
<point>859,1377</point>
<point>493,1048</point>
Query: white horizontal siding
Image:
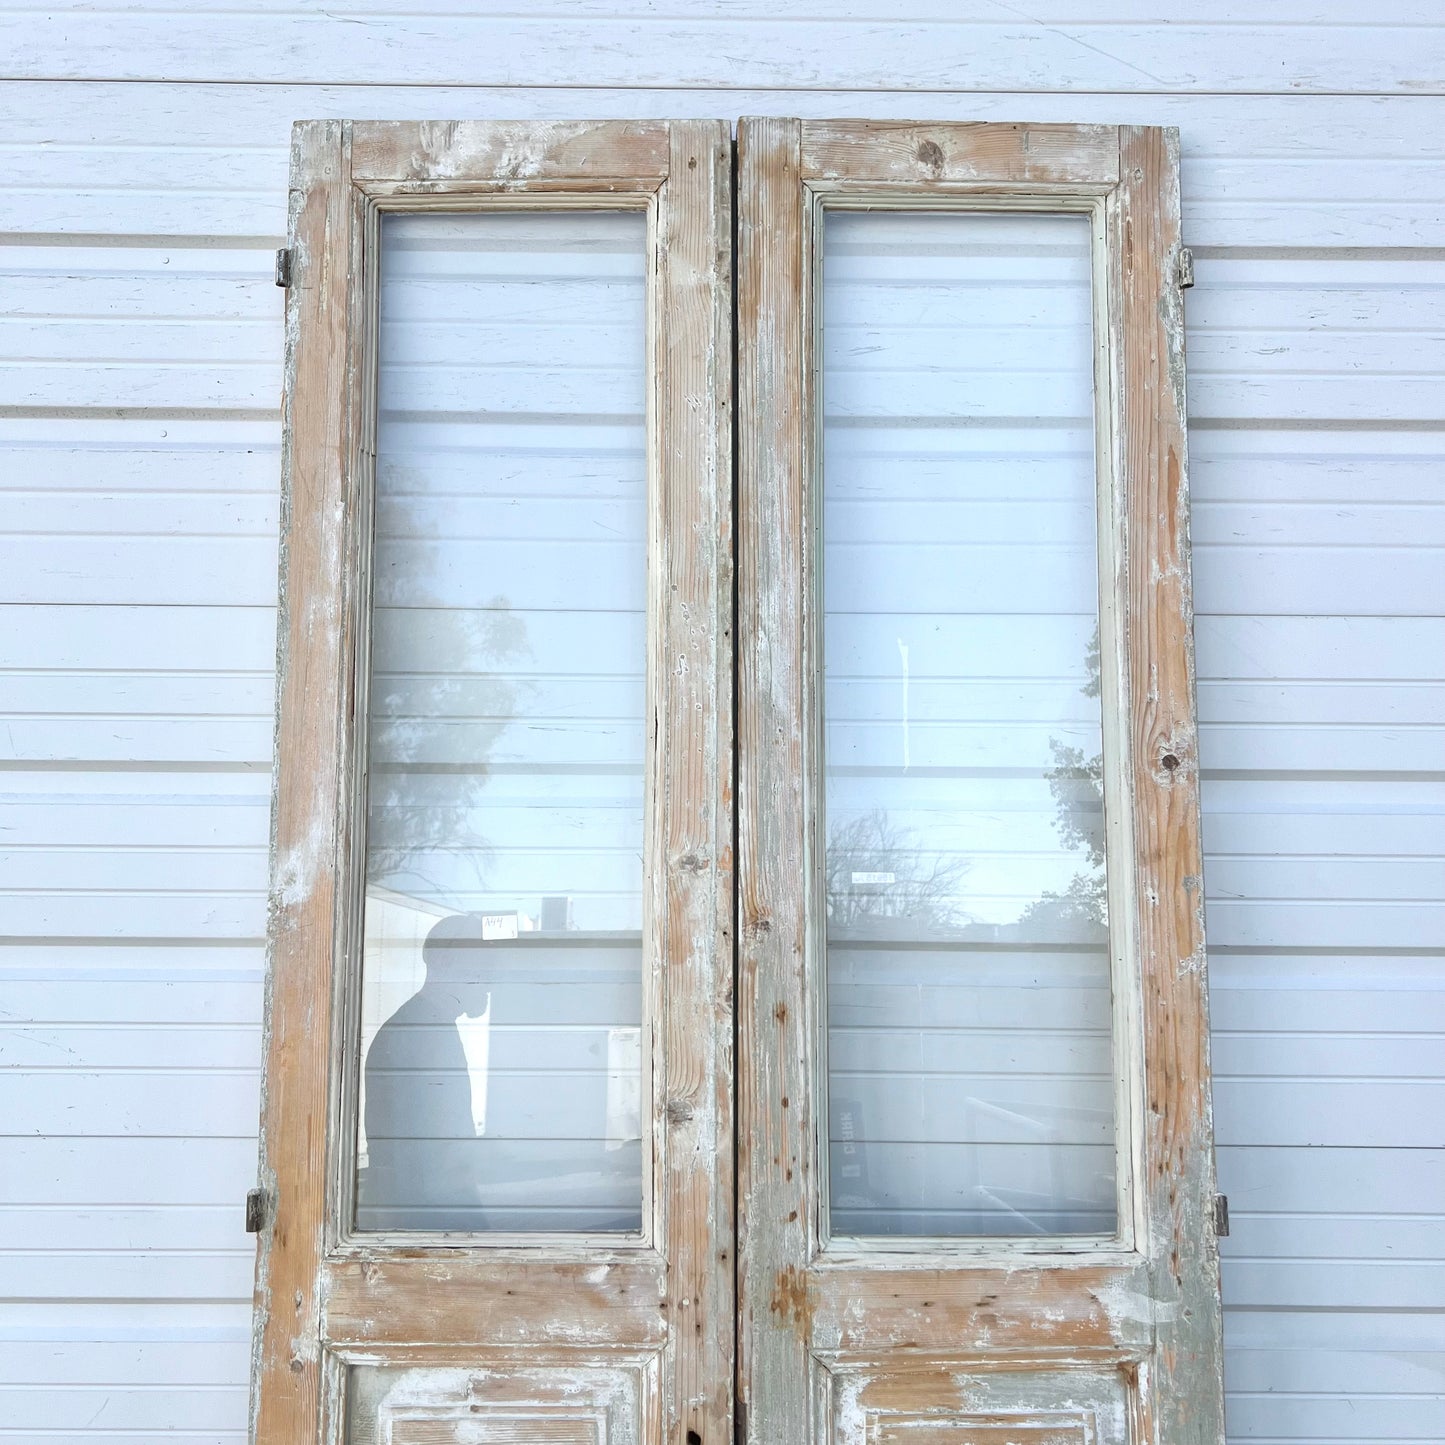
<point>1260,170</point>
<point>140,349</point>
<point>977,46</point>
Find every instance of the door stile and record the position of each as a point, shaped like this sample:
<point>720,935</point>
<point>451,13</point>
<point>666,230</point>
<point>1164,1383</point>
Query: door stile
<point>643,1322</point>
<point>694,1123</point>
<point>776,1155</point>
<point>1178,1156</point>
<point>314,649</point>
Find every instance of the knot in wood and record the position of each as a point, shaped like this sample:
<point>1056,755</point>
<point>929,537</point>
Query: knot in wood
<point>930,154</point>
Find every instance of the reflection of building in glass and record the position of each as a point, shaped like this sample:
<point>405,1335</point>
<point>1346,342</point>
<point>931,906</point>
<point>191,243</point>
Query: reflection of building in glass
<point>969,999</point>
<point>501,1085</point>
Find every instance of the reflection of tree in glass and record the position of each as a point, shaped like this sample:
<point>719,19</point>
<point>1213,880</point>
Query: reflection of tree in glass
<point>437,709</point>
<point>1077,784</point>
<point>877,871</point>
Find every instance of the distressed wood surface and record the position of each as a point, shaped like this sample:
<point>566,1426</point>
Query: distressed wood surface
<point>312,667</point>
<point>692,856</point>
<point>1148,1303</point>
<point>433,1301</point>
<point>944,1308</point>
<point>442,152</point>
<point>388,1297</point>
<point>1178,1161</point>
<point>775,1141</point>
<point>991,152</point>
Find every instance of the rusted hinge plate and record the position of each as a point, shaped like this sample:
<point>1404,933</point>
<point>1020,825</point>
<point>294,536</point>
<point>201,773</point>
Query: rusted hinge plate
<point>283,266</point>
<point>1186,268</point>
<point>255,1211</point>
<point>1221,1215</point>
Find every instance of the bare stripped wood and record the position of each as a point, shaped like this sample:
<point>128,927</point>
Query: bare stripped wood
<point>1145,1306</point>
<point>569,193</point>
<point>375,1299</point>
<point>693,863</point>
<point>1074,1312</point>
<point>306,850</point>
<point>442,152</point>
<point>432,1300</point>
<point>501,1394</point>
<point>1037,1402</point>
<point>1178,1164</point>
<point>874,150</point>
<point>775,1141</point>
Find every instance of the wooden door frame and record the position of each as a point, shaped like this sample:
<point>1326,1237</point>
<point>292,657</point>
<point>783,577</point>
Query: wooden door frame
<point>660,1305</point>
<point>1144,1305</point>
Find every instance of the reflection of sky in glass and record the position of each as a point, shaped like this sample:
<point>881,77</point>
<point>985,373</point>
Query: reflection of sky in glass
<point>505,798</point>
<point>962,743</point>
<point>510,566</point>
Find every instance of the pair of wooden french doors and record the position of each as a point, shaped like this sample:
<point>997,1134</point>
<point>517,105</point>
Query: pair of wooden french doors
<point>737,960</point>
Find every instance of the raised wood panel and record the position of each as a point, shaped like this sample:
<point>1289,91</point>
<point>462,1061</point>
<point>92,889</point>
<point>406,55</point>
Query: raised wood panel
<point>941,1403</point>
<point>1063,1427</point>
<point>511,1402</point>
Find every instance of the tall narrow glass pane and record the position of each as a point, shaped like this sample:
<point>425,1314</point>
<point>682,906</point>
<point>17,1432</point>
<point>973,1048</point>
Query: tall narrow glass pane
<point>971,1089</point>
<point>501,1014</point>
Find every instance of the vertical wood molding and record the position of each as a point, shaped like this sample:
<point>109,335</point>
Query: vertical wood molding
<point>313,652</point>
<point>1178,1179</point>
<point>775,1151</point>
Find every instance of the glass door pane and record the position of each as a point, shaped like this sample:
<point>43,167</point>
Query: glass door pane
<point>971,1085</point>
<point>502,1035</point>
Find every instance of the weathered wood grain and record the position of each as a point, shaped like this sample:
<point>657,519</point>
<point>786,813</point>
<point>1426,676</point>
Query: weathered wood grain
<point>775,1143</point>
<point>1178,1162</point>
<point>516,1298</point>
<point>692,860</point>
<point>441,153</point>
<point>386,1296</point>
<point>943,1307</point>
<point>313,656</point>
<point>990,152</point>
<point>1147,1302</point>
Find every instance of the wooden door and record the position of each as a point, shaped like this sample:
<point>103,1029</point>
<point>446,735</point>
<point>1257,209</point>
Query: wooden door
<point>497,1132</point>
<point>974,1185</point>
<point>975,1172</point>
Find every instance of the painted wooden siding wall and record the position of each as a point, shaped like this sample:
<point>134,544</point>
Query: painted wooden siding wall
<point>142,190</point>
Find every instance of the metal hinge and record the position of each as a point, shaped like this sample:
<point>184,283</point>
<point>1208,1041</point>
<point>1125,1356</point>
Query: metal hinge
<point>740,1422</point>
<point>1221,1215</point>
<point>283,266</point>
<point>255,1211</point>
<point>1186,268</point>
